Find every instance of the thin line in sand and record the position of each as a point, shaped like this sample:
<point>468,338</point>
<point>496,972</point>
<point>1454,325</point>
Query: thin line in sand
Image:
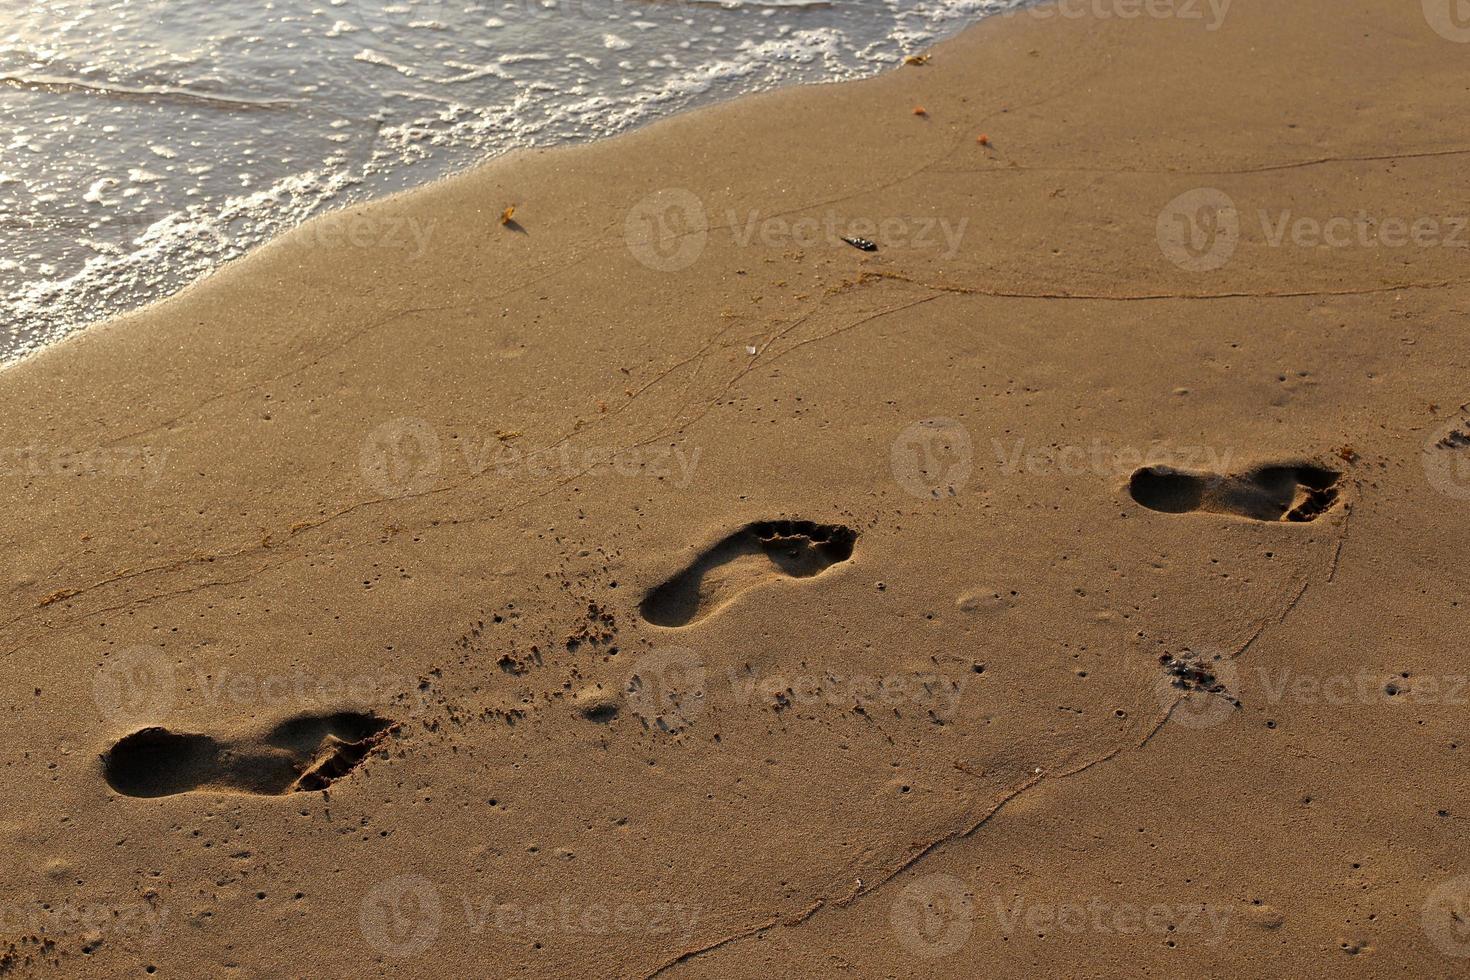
<point>864,278</point>
<point>1029,783</point>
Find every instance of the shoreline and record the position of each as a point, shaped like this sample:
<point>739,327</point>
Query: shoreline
<point>213,225</point>
<point>363,225</point>
<point>763,602</point>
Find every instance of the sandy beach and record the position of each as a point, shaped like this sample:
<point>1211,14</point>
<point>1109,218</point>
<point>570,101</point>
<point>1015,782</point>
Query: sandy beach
<point>1005,517</point>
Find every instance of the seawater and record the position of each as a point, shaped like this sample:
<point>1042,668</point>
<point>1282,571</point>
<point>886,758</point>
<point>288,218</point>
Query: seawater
<point>145,142</point>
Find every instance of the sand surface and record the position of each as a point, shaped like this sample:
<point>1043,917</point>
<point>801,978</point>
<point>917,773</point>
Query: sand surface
<point>659,585</point>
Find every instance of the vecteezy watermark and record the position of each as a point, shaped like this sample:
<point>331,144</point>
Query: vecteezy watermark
<point>364,229</point>
<point>667,229</point>
<point>779,231</point>
<point>1363,230</point>
<point>672,687</point>
<point>135,686</point>
<point>404,457</point>
<point>1101,459</point>
<point>1446,917</point>
<point>933,915</point>
<point>937,693</point>
<point>1200,230</point>
<point>1449,18</point>
<point>401,458</point>
<point>666,688</point>
<point>932,458</point>
<point>1363,688</point>
<point>1101,917</point>
<point>403,916</point>
<point>1210,12</point>
<point>1197,687</point>
<point>236,689</point>
<point>574,916</point>
<point>140,923</point>
<point>144,463</point>
<point>670,463</point>
<point>141,685</point>
<point>1446,458</point>
<point>400,917</point>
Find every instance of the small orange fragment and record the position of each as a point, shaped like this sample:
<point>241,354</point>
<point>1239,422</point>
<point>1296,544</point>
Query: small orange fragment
<point>507,215</point>
<point>983,140</point>
<point>920,111</point>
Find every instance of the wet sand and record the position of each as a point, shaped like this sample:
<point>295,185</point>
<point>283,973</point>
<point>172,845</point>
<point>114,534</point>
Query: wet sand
<point>658,584</point>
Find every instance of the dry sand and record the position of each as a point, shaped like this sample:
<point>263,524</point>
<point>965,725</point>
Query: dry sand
<point>704,596</point>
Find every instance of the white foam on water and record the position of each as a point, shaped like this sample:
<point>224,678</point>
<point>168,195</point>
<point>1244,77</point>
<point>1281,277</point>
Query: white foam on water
<point>151,141</point>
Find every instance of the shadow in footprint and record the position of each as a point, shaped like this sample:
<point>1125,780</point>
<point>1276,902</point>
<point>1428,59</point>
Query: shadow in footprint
<point>753,555</point>
<point>305,753</point>
<point>1294,492</point>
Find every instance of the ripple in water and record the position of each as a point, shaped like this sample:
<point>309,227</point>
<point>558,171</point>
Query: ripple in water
<point>151,140</point>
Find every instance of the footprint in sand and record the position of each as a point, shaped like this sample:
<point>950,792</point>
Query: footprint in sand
<point>756,554</point>
<point>1286,492</point>
<point>301,754</point>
